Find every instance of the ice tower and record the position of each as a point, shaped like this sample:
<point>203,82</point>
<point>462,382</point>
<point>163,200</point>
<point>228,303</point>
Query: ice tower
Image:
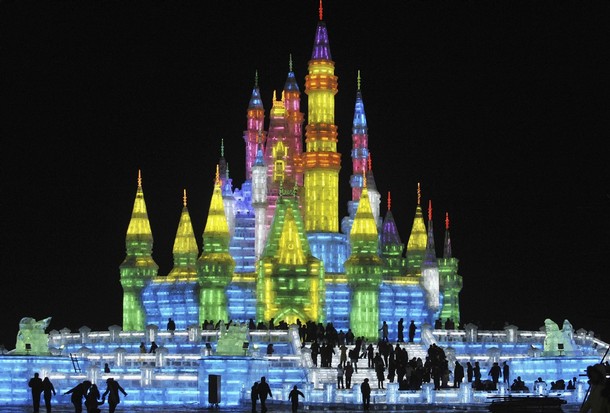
<point>138,268</point>
<point>290,281</point>
<point>364,270</point>
<point>450,282</point>
<point>216,265</point>
<point>429,267</point>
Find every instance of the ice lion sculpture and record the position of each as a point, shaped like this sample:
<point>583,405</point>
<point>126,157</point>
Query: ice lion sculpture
<point>558,342</point>
<point>232,340</point>
<point>31,338</point>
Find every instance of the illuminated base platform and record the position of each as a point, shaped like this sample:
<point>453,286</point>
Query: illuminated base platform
<point>186,372</point>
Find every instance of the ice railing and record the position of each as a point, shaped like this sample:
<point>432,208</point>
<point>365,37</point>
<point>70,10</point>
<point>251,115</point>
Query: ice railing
<point>181,349</point>
<point>58,340</point>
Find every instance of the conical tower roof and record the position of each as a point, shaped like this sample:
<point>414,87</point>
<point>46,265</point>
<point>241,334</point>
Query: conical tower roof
<point>139,225</point>
<point>389,231</point>
<point>185,249</point>
<point>216,233</point>
<point>321,46</point>
<point>418,238</point>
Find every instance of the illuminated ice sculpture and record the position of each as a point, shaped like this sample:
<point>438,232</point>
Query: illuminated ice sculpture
<point>31,338</point>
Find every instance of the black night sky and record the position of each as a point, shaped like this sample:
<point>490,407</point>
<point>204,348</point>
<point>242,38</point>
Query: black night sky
<point>499,108</point>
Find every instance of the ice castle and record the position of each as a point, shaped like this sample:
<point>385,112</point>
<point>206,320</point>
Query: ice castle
<point>275,249</point>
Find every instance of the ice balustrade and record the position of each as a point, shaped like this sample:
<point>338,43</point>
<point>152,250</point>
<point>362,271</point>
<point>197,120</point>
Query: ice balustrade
<point>173,374</point>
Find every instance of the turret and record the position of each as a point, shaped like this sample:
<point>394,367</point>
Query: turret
<point>360,156</point>
<point>259,200</point>
<point>215,265</point>
<point>429,268</point>
<point>294,125</point>
<point>391,246</point>
<point>255,123</point>
<point>322,162</point>
<point>138,268</point>
<point>364,270</point>
<point>450,281</point>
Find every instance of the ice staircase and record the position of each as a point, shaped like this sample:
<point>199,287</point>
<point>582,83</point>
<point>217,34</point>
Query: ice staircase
<point>329,374</point>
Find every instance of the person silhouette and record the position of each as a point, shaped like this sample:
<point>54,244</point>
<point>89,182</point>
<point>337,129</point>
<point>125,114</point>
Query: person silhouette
<point>384,331</point>
<point>458,374</point>
<point>365,389</point>
<point>35,384</point>
<point>254,395</point>
<point>293,396</point>
<point>48,391</point>
<point>92,401</point>
<point>505,372</point>
<point>112,390</point>
<point>412,328</point>
<point>78,392</point>
<point>153,347</point>
<point>106,368</point>
<point>400,327</point>
<point>263,391</point>
<point>171,327</point>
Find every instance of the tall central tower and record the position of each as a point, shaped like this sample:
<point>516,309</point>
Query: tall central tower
<point>322,162</point>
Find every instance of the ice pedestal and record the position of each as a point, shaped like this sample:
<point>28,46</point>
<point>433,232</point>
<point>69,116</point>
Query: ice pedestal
<point>146,376</point>
<point>160,356</point>
<point>392,393</point>
<point>540,388</point>
<point>307,390</point>
<point>194,333</point>
<point>329,392</point>
<point>472,331</point>
<point>427,393</point>
<point>115,332</point>
<point>93,374</point>
<point>151,332</point>
<point>119,356</point>
<point>357,393</point>
<point>581,390</point>
<point>502,389</point>
<point>84,334</point>
<point>465,393</point>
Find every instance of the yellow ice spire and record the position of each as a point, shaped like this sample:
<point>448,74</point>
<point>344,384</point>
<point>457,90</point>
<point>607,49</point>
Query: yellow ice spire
<point>364,226</point>
<point>139,226</point>
<point>185,249</point>
<point>216,233</point>
<point>418,238</point>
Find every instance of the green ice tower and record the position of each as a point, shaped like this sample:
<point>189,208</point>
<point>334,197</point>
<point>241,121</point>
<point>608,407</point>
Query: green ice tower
<point>138,267</point>
<point>392,247</point>
<point>215,265</point>
<point>450,280</point>
<point>364,269</point>
<point>290,281</point>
